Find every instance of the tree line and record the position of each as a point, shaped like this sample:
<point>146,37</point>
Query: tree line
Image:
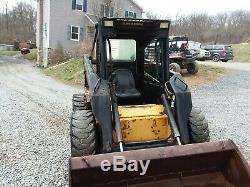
<point>226,28</point>
<point>17,23</point>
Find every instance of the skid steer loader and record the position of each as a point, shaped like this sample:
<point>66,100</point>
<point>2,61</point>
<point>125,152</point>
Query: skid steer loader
<point>133,110</point>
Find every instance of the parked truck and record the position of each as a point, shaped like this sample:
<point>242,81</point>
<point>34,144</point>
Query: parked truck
<point>181,57</point>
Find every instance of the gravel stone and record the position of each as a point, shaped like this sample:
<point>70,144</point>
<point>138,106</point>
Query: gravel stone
<point>34,126</point>
<point>226,104</point>
<point>34,121</point>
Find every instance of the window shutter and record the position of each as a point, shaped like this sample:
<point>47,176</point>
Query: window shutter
<point>82,34</point>
<point>106,11</point>
<point>68,32</point>
<point>135,15</point>
<point>111,12</point>
<point>126,14</point>
<point>73,4</point>
<point>85,5</point>
<point>102,10</point>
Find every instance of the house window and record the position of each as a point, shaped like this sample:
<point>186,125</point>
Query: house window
<point>80,5</point>
<point>130,14</point>
<point>111,13</point>
<point>75,33</point>
<point>107,11</point>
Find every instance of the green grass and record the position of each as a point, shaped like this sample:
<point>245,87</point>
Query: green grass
<point>9,53</point>
<point>70,72</point>
<point>241,52</point>
<point>32,56</point>
<point>207,70</point>
<point>205,75</point>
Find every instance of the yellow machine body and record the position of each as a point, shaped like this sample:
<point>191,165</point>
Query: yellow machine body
<point>141,123</point>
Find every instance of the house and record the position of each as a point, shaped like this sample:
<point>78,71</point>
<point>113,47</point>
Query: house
<point>67,23</point>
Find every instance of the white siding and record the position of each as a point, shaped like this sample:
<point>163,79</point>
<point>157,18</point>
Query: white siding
<point>120,7</point>
<point>59,15</point>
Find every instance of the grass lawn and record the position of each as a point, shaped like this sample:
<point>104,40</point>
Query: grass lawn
<point>32,56</point>
<point>205,75</point>
<point>241,52</point>
<point>69,72</point>
<point>9,53</point>
<point>72,72</point>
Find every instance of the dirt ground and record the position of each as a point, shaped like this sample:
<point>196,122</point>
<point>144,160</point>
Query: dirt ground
<point>205,75</point>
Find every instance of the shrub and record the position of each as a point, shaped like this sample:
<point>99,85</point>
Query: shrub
<point>84,48</point>
<point>58,55</point>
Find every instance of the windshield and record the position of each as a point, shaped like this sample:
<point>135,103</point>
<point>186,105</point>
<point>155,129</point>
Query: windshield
<point>122,50</point>
<point>228,48</point>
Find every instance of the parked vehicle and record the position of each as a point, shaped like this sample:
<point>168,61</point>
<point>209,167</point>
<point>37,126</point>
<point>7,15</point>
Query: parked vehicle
<point>25,51</point>
<point>220,52</point>
<point>181,57</point>
<point>202,53</point>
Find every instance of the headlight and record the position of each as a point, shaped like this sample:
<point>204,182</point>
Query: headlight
<point>164,25</point>
<point>108,23</point>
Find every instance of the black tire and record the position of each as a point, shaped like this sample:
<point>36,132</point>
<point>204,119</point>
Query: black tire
<point>193,68</point>
<point>79,102</point>
<point>83,133</point>
<point>198,126</point>
<point>175,67</point>
<point>224,60</point>
<point>216,58</point>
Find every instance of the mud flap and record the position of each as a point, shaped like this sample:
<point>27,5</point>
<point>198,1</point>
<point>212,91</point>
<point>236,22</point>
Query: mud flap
<point>220,162</point>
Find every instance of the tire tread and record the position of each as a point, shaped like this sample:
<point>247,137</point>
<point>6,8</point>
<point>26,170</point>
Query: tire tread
<point>199,130</point>
<point>83,133</point>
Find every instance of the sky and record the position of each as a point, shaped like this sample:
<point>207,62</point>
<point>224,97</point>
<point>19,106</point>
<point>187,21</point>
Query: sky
<point>171,8</point>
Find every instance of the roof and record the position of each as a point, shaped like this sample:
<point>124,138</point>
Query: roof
<point>136,4</point>
<point>92,18</point>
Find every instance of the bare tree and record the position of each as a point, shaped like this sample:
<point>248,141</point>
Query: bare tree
<point>228,27</point>
<point>18,23</point>
<point>152,15</point>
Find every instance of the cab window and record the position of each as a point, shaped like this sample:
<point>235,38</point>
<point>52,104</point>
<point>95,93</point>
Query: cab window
<point>122,50</point>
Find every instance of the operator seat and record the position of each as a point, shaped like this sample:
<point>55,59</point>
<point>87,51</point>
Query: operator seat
<point>124,84</point>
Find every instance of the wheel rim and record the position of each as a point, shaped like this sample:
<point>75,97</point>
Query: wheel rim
<point>216,58</point>
<point>173,68</point>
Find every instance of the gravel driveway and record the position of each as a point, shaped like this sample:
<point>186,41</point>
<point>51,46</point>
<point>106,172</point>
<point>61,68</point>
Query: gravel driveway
<point>34,112</point>
<point>34,132</point>
<point>229,65</point>
<point>226,104</point>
